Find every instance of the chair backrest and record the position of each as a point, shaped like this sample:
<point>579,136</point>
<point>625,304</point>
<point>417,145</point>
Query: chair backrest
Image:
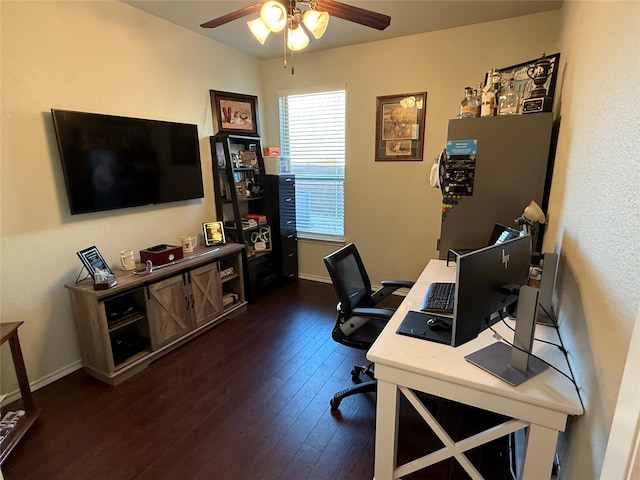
<point>349,278</point>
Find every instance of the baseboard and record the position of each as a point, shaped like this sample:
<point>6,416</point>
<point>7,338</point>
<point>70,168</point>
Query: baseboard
<point>44,381</point>
<point>315,278</point>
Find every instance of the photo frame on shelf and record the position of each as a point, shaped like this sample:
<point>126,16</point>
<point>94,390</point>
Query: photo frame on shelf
<point>213,233</point>
<point>234,113</point>
<point>93,260</point>
<point>261,239</point>
<point>523,83</point>
<point>400,127</point>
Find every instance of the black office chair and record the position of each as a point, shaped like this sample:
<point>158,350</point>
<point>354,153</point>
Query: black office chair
<point>359,320</point>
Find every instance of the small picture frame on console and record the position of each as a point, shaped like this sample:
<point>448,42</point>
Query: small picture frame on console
<point>213,233</point>
<point>93,261</point>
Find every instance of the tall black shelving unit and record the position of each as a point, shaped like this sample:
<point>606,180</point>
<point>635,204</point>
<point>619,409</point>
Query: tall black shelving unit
<point>239,191</point>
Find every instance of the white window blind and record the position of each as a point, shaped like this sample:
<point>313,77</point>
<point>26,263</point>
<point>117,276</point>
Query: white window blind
<point>312,134</point>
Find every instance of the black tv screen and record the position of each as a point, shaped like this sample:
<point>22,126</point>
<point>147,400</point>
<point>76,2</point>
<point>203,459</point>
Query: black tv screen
<point>114,162</point>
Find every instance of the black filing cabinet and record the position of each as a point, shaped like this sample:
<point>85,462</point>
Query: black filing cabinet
<point>281,192</point>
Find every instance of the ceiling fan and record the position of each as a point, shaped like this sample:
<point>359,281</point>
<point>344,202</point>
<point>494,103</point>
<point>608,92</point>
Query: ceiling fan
<point>276,15</point>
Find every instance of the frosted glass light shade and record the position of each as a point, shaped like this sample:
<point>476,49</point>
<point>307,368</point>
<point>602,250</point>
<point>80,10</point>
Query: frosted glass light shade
<point>274,16</point>
<point>316,22</point>
<point>296,38</point>
<point>259,29</point>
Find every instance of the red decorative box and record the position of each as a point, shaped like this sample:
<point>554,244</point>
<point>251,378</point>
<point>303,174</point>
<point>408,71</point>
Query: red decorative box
<point>271,151</point>
<point>161,254</point>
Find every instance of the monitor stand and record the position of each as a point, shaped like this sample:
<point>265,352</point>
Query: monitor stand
<point>545,314</point>
<point>510,364</point>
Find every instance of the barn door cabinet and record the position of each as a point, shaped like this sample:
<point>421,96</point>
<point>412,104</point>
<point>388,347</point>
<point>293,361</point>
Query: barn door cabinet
<point>123,329</point>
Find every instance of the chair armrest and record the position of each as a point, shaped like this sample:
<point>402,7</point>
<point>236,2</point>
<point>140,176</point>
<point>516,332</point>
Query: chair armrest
<point>398,283</point>
<point>373,312</point>
<point>360,316</point>
<point>388,287</point>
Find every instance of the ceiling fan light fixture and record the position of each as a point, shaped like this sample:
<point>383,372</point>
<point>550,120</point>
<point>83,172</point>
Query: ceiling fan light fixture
<point>316,22</point>
<point>259,29</point>
<point>296,38</point>
<point>274,16</point>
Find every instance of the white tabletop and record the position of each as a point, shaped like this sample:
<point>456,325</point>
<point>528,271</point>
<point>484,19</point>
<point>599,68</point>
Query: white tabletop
<point>445,365</point>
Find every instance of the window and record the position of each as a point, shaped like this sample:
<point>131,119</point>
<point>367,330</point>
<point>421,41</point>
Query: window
<point>312,134</point>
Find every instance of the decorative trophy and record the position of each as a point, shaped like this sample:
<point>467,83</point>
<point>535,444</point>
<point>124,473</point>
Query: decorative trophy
<point>538,100</point>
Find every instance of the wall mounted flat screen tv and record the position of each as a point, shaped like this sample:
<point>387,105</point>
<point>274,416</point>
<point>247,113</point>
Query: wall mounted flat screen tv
<point>112,162</point>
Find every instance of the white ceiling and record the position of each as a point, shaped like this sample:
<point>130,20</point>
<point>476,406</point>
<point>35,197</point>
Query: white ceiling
<point>407,18</point>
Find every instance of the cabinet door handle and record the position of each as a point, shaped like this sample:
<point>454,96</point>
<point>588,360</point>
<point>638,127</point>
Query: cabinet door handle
<point>193,305</point>
<point>186,301</point>
<point>288,199</point>
<point>290,236</point>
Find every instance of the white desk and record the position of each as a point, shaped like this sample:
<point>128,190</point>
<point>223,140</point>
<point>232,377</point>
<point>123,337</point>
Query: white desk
<point>402,363</point>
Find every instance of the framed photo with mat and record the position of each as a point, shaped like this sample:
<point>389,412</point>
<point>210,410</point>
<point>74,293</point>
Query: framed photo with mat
<point>400,127</point>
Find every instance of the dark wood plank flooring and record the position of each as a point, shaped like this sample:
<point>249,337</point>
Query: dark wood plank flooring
<point>247,400</point>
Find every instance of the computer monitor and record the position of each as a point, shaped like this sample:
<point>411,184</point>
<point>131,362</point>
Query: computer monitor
<point>487,282</point>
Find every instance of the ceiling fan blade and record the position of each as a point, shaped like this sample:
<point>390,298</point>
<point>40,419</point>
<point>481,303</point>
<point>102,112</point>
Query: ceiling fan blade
<point>351,13</point>
<point>229,17</point>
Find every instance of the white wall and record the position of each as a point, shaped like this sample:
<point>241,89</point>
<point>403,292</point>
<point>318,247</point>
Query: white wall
<point>390,211</point>
<point>103,57</point>
<point>593,212</point>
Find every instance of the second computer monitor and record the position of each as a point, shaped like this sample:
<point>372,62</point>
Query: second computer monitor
<point>486,283</point>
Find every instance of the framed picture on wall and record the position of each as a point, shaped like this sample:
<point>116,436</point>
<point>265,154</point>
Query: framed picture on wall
<point>400,127</point>
<point>234,113</point>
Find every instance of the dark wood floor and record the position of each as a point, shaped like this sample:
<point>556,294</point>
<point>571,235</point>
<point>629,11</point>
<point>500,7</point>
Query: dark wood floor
<point>247,400</point>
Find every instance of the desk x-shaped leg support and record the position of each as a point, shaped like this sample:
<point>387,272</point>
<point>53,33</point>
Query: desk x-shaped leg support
<point>450,448</point>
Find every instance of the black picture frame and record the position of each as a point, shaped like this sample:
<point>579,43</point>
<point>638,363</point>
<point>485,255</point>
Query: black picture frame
<point>93,260</point>
<point>523,83</point>
<point>400,127</point>
<point>234,113</point>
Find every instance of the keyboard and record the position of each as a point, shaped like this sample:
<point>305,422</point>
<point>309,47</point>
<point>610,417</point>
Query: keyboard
<point>439,298</point>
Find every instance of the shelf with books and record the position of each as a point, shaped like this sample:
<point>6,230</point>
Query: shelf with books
<point>241,202</point>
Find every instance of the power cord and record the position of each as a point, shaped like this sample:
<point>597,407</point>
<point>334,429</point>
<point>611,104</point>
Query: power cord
<point>560,347</point>
<point>570,378</point>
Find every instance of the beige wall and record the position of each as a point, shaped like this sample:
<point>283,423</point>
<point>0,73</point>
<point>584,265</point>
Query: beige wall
<point>391,212</point>
<point>103,57</point>
<point>594,221</point>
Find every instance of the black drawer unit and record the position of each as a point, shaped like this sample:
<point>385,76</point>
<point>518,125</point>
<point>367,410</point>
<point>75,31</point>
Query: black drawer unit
<point>281,190</point>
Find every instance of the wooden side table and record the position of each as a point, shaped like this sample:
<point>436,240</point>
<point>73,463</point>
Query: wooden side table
<point>9,331</point>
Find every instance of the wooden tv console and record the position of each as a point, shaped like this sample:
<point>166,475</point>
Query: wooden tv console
<point>123,329</point>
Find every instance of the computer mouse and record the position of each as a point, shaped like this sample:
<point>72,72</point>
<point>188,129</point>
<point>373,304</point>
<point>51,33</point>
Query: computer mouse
<point>436,323</point>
